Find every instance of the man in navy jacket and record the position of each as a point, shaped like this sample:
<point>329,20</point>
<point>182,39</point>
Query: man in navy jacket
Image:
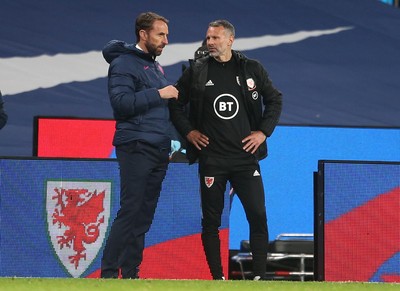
<point>139,94</point>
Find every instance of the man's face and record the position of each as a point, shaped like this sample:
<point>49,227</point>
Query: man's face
<point>219,41</point>
<point>156,38</point>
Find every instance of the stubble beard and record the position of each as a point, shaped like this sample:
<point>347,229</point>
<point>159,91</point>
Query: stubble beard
<point>154,50</point>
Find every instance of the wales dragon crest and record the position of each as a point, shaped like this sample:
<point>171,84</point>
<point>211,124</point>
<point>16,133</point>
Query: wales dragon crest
<point>77,218</point>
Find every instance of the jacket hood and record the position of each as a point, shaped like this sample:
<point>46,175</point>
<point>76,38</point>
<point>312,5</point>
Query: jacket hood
<point>114,48</point>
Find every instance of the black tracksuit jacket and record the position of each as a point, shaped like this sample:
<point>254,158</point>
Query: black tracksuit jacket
<point>263,102</point>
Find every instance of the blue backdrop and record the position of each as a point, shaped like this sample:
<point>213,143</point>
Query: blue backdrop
<point>29,248</point>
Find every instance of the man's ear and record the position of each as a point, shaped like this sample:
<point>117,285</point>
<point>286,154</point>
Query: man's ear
<point>231,39</point>
<point>143,34</point>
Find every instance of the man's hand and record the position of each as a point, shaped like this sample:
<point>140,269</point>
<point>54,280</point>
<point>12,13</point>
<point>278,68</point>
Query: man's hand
<point>253,141</point>
<point>168,92</point>
<point>198,139</point>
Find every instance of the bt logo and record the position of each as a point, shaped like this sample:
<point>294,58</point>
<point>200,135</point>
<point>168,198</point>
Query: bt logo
<point>226,106</point>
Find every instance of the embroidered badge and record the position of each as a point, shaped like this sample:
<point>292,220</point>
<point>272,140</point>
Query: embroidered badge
<point>251,85</point>
<point>209,181</point>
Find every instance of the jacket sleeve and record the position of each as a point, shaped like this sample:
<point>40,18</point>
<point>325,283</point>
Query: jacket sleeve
<point>129,96</point>
<point>178,108</point>
<point>272,100</point>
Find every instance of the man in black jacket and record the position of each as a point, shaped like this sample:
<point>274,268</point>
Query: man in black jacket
<point>233,108</point>
<point>3,115</point>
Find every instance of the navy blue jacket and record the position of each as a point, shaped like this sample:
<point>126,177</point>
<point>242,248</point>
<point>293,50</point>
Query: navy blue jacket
<point>134,78</point>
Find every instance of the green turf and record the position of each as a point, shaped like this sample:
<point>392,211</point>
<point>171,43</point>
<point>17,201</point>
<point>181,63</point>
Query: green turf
<point>33,284</point>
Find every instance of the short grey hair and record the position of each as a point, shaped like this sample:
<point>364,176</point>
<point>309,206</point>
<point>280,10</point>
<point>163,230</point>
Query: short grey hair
<point>224,23</point>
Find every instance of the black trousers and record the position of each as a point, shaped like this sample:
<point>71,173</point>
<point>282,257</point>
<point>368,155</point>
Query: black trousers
<point>245,177</point>
<point>142,170</point>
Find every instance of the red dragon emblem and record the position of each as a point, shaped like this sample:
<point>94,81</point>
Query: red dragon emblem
<point>77,215</point>
<point>209,181</point>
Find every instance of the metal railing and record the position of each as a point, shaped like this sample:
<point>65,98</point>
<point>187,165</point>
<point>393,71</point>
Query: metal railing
<point>242,257</point>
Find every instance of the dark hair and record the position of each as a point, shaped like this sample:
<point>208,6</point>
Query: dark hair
<point>224,23</point>
<point>145,21</point>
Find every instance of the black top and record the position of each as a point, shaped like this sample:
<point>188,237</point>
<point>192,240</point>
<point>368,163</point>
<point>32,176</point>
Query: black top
<point>263,102</point>
<point>225,119</point>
